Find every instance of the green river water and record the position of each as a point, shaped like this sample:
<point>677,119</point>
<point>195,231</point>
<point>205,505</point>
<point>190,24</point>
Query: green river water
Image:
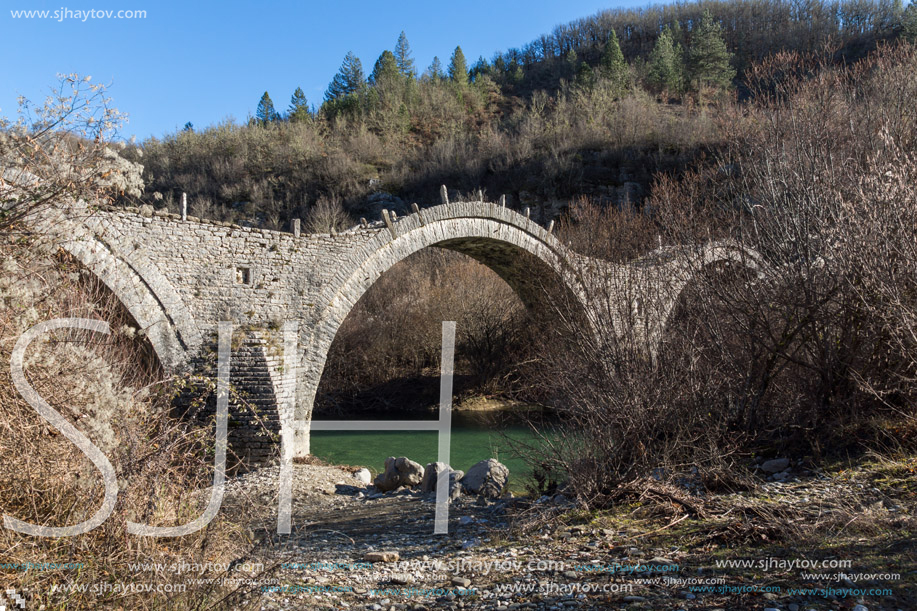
<point>476,436</point>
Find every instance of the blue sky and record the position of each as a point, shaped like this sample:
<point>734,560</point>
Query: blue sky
<point>207,61</point>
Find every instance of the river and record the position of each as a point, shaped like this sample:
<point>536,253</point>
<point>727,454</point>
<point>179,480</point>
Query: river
<point>476,436</point>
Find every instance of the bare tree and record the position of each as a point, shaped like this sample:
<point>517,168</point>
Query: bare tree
<point>62,150</point>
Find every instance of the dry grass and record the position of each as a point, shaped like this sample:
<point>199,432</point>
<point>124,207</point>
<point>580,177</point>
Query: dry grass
<point>109,387</point>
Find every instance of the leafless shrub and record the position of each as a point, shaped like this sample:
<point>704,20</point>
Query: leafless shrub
<point>814,177</point>
<point>327,215</point>
<point>806,346</point>
<point>109,386</point>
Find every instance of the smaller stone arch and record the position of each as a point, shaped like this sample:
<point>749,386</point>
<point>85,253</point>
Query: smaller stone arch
<point>680,267</point>
<point>147,295</point>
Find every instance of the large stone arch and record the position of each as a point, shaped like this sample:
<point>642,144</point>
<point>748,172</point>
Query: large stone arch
<point>504,240</point>
<point>147,295</point>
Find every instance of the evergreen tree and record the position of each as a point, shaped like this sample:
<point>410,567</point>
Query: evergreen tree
<point>386,69</point>
<point>572,61</point>
<point>909,22</point>
<point>349,79</point>
<point>299,107</point>
<point>403,56</point>
<point>266,112</point>
<point>458,68</point>
<point>585,75</point>
<point>516,74</point>
<point>613,66</point>
<point>436,69</point>
<point>480,67</point>
<point>678,36</point>
<point>665,64</point>
<point>708,57</point>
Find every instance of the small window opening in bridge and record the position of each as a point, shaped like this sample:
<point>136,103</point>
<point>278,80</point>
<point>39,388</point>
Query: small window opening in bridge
<point>244,275</point>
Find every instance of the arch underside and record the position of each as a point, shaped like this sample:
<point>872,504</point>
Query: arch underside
<point>147,296</point>
<point>529,276</point>
<point>717,258</point>
<point>529,265</point>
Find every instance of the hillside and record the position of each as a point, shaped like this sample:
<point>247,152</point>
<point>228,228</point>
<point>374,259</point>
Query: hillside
<point>600,107</point>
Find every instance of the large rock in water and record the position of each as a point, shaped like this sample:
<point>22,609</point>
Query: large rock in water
<point>401,471</point>
<point>487,478</point>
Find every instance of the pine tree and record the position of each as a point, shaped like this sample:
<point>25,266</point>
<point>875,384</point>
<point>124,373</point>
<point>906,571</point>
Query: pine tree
<point>435,71</point>
<point>403,56</point>
<point>665,64</point>
<point>571,59</point>
<point>458,68</point>
<point>517,74</point>
<point>678,35</point>
<point>386,69</point>
<point>266,112</point>
<point>299,107</point>
<point>349,79</point>
<point>585,76</point>
<point>613,66</point>
<point>708,57</point>
<point>479,68</point>
<point>909,22</point>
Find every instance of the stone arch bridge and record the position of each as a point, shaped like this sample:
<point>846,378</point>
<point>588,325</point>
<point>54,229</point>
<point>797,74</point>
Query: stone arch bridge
<point>179,277</point>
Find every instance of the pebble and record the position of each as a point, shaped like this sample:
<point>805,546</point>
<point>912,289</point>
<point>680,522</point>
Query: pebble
<point>380,556</point>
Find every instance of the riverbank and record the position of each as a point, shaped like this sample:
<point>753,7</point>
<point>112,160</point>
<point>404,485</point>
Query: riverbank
<point>839,539</point>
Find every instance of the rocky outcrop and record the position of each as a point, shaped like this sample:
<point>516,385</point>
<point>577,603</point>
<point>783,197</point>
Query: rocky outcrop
<point>428,483</point>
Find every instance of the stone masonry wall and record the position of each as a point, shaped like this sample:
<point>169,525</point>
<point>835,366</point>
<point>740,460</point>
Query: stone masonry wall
<point>180,278</point>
